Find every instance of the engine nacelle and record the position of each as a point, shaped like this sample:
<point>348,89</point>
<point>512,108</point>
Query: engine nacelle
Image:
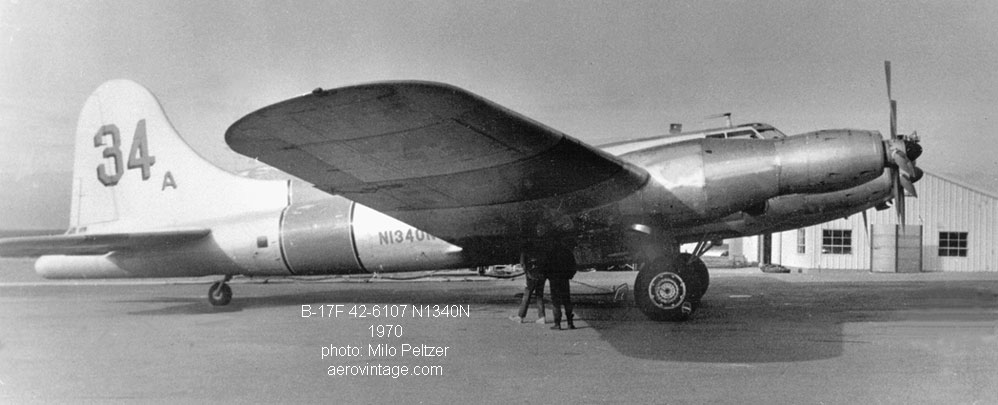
<point>868,194</point>
<point>797,210</point>
<point>829,160</point>
<point>337,236</point>
<point>707,179</point>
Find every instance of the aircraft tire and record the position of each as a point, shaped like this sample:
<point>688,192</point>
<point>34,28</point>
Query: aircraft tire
<point>666,289</point>
<point>219,294</point>
<point>699,270</point>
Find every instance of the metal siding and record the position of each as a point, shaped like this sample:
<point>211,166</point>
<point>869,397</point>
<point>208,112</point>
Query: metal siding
<point>841,261</point>
<point>947,206</point>
<point>884,249</point>
<point>788,250</point>
<point>909,249</point>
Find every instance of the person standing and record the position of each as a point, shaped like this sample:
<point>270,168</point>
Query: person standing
<point>534,289</point>
<point>560,266</point>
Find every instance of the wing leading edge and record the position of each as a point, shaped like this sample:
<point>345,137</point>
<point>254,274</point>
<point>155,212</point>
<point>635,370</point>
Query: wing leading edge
<point>435,156</point>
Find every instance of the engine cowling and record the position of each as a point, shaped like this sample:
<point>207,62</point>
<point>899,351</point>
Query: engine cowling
<point>706,179</point>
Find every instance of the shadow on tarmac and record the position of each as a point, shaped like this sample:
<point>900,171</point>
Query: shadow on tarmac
<point>763,320</point>
<point>741,320</point>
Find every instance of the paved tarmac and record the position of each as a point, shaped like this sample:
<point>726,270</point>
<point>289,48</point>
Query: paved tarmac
<point>759,338</point>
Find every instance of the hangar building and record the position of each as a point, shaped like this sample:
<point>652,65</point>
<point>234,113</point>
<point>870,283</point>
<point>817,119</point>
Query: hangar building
<point>951,227</point>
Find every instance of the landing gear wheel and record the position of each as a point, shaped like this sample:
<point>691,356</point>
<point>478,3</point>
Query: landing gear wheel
<point>666,290</point>
<point>219,294</point>
<point>699,271</point>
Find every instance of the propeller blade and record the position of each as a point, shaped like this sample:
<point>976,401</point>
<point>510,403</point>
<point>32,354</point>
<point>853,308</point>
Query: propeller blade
<point>887,72</point>
<point>866,224</point>
<point>890,98</point>
<point>909,187</point>
<point>903,164</point>
<point>903,151</point>
<point>894,119</point>
<point>899,197</point>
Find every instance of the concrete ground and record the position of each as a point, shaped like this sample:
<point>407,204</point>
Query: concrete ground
<point>759,338</point>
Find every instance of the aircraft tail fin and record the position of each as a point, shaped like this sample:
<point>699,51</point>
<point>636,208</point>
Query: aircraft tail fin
<point>133,172</point>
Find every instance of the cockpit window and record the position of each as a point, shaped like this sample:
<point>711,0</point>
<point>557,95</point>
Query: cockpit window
<point>772,133</point>
<point>742,133</point>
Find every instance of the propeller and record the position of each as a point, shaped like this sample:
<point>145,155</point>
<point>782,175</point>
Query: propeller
<point>866,224</point>
<point>902,151</point>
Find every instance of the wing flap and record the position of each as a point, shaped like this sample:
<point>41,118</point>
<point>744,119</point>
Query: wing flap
<point>95,244</point>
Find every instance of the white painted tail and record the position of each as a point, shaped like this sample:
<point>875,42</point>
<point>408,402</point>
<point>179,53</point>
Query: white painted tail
<point>133,172</point>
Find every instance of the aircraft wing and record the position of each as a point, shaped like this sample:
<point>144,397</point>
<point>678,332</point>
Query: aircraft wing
<point>95,244</point>
<point>435,156</point>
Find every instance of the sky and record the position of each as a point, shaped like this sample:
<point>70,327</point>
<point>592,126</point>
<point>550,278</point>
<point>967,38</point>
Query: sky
<point>598,71</point>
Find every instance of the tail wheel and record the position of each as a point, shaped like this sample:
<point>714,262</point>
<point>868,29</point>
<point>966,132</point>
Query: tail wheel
<point>669,289</point>
<point>219,294</point>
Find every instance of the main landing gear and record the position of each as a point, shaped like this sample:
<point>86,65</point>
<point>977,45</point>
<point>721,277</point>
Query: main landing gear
<point>671,286</point>
<point>220,294</point>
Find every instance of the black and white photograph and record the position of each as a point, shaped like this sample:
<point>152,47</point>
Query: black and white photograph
<point>424,202</point>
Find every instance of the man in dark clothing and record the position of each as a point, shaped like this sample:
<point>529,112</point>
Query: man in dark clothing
<point>535,288</point>
<point>560,266</point>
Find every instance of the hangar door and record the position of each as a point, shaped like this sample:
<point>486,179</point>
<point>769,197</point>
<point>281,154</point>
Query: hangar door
<point>896,249</point>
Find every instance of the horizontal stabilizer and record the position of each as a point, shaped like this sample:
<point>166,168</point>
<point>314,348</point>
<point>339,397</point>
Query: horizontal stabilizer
<point>95,244</point>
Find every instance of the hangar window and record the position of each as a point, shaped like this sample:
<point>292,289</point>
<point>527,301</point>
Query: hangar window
<point>801,241</point>
<point>836,241</point>
<point>953,244</point>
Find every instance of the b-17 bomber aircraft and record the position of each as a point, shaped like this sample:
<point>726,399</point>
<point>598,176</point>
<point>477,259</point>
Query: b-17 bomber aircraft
<point>421,176</point>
